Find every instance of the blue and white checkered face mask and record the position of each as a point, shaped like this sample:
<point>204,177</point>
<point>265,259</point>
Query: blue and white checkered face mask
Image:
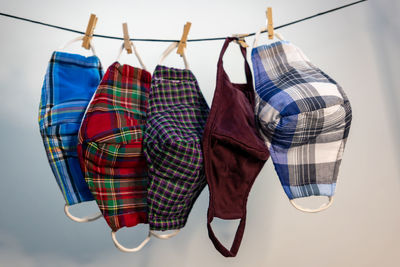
<point>304,117</point>
<point>69,84</point>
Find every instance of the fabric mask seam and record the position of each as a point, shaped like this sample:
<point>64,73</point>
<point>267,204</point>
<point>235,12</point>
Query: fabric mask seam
<point>237,141</point>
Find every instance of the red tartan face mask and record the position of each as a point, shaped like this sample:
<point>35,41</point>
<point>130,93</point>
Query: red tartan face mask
<point>110,146</point>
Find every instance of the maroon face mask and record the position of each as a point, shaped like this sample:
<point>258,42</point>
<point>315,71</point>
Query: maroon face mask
<point>234,153</point>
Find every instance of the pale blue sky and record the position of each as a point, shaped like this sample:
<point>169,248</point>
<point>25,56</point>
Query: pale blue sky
<point>357,46</point>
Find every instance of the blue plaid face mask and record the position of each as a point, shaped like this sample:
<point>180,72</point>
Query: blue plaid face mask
<point>69,84</point>
<point>304,117</point>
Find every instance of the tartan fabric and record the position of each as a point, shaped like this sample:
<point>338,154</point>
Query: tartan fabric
<point>69,84</point>
<point>110,145</point>
<point>304,116</point>
<point>172,145</point>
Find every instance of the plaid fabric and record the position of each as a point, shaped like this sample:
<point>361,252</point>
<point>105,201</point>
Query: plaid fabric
<point>304,116</point>
<point>70,82</point>
<point>110,145</point>
<point>172,145</point>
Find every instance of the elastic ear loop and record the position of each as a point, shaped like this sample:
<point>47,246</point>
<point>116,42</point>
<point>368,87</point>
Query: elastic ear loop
<point>79,38</point>
<point>166,236</point>
<point>169,50</point>
<point>81,220</point>
<point>124,249</point>
<point>237,240</point>
<point>321,208</point>
<point>257,36</point>
<point>134,51</point>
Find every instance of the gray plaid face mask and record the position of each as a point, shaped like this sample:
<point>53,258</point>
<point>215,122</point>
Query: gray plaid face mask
<point>304,117</point>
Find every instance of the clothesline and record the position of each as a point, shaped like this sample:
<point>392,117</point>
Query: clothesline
<point>171,40</point>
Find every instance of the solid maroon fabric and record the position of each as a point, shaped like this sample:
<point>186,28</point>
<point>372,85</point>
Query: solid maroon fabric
<point>234,153</point>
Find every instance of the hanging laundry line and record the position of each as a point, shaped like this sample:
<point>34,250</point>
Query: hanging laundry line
<point>172,40</point>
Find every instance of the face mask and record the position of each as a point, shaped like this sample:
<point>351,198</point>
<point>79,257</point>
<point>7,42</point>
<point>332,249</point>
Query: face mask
<point>69,84</point>
<point>304,117</point>
<point>172,145</point>
<point>110,147</point>
<point>234,153</point>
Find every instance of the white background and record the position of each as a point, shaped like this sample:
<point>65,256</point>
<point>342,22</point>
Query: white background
<point>357,46</point>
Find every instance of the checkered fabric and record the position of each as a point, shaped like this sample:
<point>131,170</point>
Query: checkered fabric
<point>303,115</point>
<point>110,145</point>
<point>172,145</point>
<point>69,84</point>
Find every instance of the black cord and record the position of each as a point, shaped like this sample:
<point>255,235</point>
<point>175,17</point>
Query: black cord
<point>166,40</point>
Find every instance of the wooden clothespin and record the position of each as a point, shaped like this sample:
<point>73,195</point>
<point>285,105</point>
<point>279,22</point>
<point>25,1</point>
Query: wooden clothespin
<point>182,43</point>
<point>270,25</point>
<point>240,39</point>
<point>127,42</point>
<point>89,31</point>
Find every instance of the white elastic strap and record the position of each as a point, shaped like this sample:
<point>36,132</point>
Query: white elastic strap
<point>323,206</point>
<point>135,52</point>
<point>257,36</point>
<point>167,236</point>
<point>79,38</point>
<point>81,220</point>
<point>124,249</point>
<point>169,50</point>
